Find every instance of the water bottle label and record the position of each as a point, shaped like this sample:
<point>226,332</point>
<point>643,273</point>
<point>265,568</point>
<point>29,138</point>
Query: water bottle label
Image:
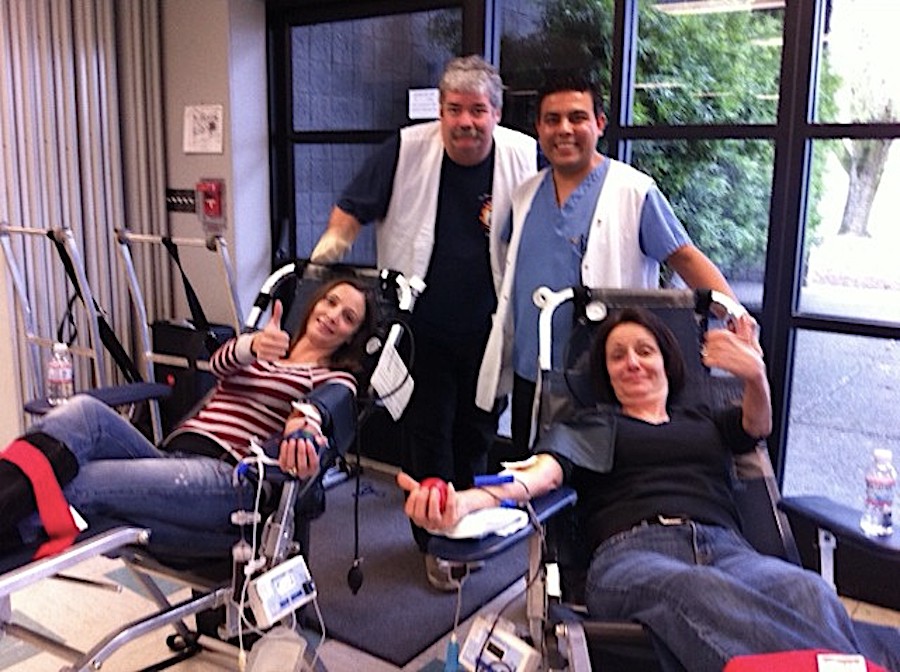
<point>60,374</point>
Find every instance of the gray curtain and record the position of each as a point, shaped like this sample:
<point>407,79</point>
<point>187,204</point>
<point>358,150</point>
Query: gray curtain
<point>81,135</point>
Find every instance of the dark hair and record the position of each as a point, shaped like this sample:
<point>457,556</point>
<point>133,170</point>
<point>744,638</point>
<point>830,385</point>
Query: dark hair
<point>673,361</point>
<point>349,355</point>
<point>570,81</point>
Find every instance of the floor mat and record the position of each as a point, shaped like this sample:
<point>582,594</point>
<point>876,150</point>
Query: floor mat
<point>396,614</point>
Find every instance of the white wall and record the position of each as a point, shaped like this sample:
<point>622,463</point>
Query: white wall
<point>10,413</point>
<point>214,53</point>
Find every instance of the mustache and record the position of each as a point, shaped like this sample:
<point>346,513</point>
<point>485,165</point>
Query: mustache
<point>467,133</point>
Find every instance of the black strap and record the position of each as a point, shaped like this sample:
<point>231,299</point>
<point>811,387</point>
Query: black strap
<point>198,317</point>
<point>107,336</point>
<point>68,320</point>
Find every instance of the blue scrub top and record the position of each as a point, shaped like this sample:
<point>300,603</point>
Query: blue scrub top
<point>551,249</point>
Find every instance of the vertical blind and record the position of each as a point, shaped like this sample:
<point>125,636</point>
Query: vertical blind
<point>81,135</point>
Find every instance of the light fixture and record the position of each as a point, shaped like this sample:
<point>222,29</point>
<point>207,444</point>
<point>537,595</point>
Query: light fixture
<point>677,7</point>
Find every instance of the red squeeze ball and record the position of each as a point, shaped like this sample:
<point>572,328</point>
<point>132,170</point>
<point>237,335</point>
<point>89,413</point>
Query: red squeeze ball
<point>440,484</point>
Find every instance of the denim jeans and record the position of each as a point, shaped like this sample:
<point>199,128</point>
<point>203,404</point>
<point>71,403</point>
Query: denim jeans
<point>707,596</point>
<point>185,500</point>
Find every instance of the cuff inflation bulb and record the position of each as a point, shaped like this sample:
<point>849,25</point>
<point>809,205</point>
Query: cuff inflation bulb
<point>355,576</point>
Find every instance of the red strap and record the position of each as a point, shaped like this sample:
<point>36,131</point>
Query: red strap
<point>786,661</point>
<point>51,503</point>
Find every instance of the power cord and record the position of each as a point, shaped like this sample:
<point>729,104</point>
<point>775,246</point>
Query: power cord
<point>539,530</point>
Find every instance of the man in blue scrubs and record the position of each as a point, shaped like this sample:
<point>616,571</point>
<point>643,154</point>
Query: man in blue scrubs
<point>586,220</point>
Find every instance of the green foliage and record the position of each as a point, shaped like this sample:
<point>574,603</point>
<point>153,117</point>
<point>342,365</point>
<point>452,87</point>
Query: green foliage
<point>695,69</point>
<point>707,68</point>
<point>720,190</point>
<point>712,69</point>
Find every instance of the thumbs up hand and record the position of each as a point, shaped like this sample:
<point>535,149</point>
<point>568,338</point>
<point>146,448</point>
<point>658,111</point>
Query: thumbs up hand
<point>271,342</point>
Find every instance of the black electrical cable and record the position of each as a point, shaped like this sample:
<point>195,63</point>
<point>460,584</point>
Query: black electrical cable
<point>355,575</point>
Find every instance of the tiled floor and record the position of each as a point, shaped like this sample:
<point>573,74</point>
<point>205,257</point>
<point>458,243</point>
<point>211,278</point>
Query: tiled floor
<point>79,615</point>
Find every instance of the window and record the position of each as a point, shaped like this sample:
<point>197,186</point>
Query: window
<point>769,125</point>
<point>846,320</point>
<point>706,66</point>
<point>842,384</point>
<point>721,191</point>
<point>349,81</point>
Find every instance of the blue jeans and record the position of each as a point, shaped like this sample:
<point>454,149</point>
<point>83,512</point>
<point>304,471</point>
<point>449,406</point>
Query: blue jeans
<point>707,596</point>
<point>185,500</point>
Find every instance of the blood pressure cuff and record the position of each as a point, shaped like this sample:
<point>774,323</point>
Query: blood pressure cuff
<point>33,470</point>
<point>587,439</point>
<point>336,404</point>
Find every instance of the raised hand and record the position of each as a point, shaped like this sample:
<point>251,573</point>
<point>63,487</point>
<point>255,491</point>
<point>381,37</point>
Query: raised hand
<point>271,343</point>
<point>736,349</point>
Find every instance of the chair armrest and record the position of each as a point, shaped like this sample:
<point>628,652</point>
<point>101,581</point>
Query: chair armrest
<point>843,522</point>
<point>474,550</point>
<point>119,395</point>
<point>91,545</point>
<point>831,543</point>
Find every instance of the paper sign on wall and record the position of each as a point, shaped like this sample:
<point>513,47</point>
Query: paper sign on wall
<point>423,104</point>
<point>203,129</point>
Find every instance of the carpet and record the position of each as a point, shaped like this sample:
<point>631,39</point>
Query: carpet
<point>396,614</point>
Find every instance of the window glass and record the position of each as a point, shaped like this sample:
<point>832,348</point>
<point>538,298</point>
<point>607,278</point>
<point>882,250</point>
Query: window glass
<point>322,171</point>
<point>541,37</point>
<point>709,62</point>
<point>859,81</point>
<point>851,236</point>
<point>843,406</point>
<point>720,190</point>
<point>354,75</point>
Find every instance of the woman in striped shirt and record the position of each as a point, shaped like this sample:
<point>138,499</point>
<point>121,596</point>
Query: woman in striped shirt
<point>185,493</point>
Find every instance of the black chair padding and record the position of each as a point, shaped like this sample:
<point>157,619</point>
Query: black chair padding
<point>295,289</point>
<point>858,560</point>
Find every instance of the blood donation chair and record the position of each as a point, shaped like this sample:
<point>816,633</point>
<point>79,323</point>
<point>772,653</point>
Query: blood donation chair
<point>559,627</point>
<point>223,597</point>
<point>74,316</point>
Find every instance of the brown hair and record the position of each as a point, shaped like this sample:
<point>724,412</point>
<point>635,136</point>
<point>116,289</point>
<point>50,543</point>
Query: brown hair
<point>349,355</point>
<point>673,361</point>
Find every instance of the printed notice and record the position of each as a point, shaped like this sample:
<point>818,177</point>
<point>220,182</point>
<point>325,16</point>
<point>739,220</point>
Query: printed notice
<point>423,104</point>
<point>203,129</point>
<point>392,380</point>
<point>840,662</point>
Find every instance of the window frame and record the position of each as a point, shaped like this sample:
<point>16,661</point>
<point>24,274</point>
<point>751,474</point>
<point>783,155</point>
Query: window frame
<point>792,135</point>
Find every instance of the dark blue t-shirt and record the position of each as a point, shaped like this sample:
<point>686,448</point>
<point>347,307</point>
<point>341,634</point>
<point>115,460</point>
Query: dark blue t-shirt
<point>459,298</point>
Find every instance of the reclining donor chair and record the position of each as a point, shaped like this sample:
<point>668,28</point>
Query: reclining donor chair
<point>559,627</point>
<point>222,593</point>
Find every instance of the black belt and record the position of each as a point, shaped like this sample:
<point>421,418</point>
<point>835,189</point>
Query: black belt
<point>666,521</point>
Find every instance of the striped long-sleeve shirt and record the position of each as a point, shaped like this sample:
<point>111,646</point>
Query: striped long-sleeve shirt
<point>253,398</point>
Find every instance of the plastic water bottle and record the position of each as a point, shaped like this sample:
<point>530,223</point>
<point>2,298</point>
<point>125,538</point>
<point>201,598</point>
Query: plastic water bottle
<point>60,375</point>
<point>881,479</point>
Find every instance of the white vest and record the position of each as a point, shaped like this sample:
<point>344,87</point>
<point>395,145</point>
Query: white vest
<point>405,237</point>
<point>612,259</point>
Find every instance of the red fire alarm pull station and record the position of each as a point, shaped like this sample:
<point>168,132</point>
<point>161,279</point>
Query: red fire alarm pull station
<point>211,205</point>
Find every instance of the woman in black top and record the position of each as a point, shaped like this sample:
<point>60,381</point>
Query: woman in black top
<point>667,551</point>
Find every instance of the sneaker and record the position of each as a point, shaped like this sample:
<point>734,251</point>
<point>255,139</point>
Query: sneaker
<point>443,575</point>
